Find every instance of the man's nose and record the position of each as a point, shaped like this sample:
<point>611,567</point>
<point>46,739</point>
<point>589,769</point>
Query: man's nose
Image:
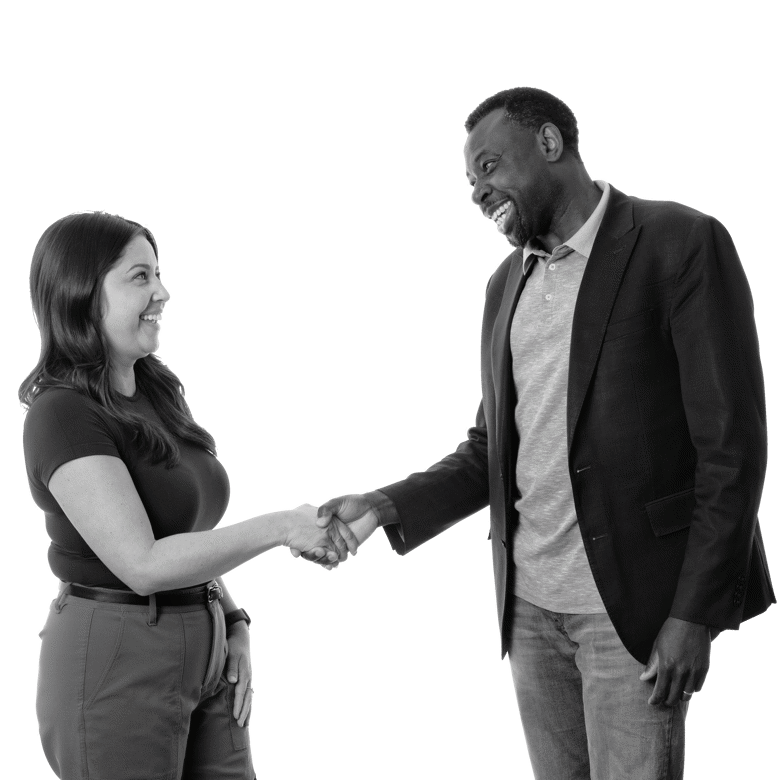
<point>479,193</point>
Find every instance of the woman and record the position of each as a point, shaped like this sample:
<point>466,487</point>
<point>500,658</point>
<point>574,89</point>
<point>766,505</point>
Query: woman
<point>145,669</point>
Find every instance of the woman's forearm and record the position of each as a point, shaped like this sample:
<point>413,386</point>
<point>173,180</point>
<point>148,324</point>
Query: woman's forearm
<point>188,559</point>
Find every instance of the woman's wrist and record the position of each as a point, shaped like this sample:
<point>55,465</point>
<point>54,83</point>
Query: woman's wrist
<point>283,521</point>
<point>237,615</point>
<point>238,629</point>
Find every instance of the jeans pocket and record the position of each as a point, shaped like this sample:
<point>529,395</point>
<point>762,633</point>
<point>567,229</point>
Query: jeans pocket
<point>103,645</point>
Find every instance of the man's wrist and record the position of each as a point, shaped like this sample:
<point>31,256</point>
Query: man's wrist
<point>384,508</point>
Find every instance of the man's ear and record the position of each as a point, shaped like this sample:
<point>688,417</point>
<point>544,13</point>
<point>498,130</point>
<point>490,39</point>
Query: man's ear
<point>550,141</point>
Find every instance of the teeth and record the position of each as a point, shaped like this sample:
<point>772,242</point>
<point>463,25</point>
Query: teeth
<point>500,212</point>
<point>151,317</point>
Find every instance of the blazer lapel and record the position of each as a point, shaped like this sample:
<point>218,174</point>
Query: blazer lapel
<point>598,290</point>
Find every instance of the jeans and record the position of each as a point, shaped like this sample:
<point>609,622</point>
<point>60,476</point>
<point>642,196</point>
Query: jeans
<point>583,707</point>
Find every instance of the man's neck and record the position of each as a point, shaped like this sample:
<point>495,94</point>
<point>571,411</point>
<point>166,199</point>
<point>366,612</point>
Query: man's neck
<point>579,201</point>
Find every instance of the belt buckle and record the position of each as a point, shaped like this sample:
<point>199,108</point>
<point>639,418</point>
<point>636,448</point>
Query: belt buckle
<point>214,592</point>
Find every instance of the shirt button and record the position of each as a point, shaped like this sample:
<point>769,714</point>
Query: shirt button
<point>548,297</point>
<point>552,267</point>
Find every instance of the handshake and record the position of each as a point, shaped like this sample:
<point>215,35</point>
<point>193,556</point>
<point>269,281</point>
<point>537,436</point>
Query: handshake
<point>327,535</point>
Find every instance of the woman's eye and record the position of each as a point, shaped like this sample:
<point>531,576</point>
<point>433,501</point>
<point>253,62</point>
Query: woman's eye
<point>143,275</point>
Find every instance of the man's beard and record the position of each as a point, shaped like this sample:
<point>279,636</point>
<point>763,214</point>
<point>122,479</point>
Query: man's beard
<point>537,218</point>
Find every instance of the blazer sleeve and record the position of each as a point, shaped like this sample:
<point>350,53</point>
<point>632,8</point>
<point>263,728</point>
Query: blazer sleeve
<point>429,502</point>
<point>714,336</point>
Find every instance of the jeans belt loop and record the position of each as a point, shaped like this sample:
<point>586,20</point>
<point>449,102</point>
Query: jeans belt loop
<point>152,621</point>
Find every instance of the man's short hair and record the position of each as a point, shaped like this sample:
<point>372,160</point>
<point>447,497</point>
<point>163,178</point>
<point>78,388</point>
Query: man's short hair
<point>531,108</point>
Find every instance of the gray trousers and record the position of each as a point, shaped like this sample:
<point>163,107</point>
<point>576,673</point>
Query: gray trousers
<point>128,692</point>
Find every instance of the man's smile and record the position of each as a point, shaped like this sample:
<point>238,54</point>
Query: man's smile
<point>499,215</point>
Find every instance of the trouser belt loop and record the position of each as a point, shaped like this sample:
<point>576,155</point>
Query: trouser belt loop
<point>58,605</point>
<point>152,609</point>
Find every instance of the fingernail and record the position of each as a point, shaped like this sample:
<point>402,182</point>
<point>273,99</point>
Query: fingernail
<point>232,678</point>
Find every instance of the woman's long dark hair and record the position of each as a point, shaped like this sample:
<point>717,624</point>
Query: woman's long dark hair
<point>69,265</point>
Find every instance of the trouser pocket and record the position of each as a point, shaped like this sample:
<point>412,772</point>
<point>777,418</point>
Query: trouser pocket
<point>103,646</point>
<point>239,734</point>
<point>132,718</point>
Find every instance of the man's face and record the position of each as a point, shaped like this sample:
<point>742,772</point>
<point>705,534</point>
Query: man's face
<point>511,178</point>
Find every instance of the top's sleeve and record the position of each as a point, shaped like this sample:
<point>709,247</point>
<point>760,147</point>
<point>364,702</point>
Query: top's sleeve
<point>63,425</point>
<point>427,503</point>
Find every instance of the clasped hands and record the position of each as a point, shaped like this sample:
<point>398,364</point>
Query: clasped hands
<point>327,535</point>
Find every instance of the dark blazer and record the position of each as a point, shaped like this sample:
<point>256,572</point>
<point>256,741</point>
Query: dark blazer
<point>666,429</point>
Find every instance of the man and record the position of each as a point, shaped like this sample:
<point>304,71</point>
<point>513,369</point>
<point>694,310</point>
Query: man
<point>620,444</point>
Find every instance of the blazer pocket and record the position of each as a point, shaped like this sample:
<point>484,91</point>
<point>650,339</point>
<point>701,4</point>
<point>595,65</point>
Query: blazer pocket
<point>671,513</point>
<point>628,325</point>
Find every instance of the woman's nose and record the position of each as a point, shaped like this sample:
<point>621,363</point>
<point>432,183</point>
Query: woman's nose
<point>161,294</point>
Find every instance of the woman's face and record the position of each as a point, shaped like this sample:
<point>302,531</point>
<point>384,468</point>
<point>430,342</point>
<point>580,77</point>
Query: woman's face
<point>132,301</point>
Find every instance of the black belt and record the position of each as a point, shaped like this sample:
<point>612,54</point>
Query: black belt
<point>203,594</point>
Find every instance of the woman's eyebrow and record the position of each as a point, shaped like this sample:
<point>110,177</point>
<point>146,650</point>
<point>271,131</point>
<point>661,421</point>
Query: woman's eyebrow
<point>145,266</point>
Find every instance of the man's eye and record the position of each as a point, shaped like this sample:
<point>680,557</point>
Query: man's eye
<point>488,166</point>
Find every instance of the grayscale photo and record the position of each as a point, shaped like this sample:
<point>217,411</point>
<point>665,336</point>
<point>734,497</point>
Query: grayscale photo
<point>389,391</point>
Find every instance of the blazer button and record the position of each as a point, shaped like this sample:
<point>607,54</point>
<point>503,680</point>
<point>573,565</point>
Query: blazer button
<point>503,543</point>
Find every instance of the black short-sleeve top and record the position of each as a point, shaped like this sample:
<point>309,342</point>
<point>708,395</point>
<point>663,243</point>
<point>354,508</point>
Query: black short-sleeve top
<point>63,425</point>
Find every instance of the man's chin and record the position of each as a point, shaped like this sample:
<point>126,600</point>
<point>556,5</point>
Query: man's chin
<point>517,237</point>
<point>517,233</point>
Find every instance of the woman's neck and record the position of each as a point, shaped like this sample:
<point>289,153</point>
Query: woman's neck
<point>123,379</point>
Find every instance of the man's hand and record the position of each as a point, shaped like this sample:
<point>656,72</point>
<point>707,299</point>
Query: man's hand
<point>679,661</point>
<point>322,544</point>
<point>352,509</point>
<point>351,515</point>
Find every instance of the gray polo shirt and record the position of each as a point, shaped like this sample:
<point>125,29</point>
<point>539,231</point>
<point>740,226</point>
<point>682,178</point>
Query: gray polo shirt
<point>552,569</point>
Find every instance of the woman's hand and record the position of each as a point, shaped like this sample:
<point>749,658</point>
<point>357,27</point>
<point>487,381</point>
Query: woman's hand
<point>324,545</point>
<point>239,670</point>
<point>361,521</point>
